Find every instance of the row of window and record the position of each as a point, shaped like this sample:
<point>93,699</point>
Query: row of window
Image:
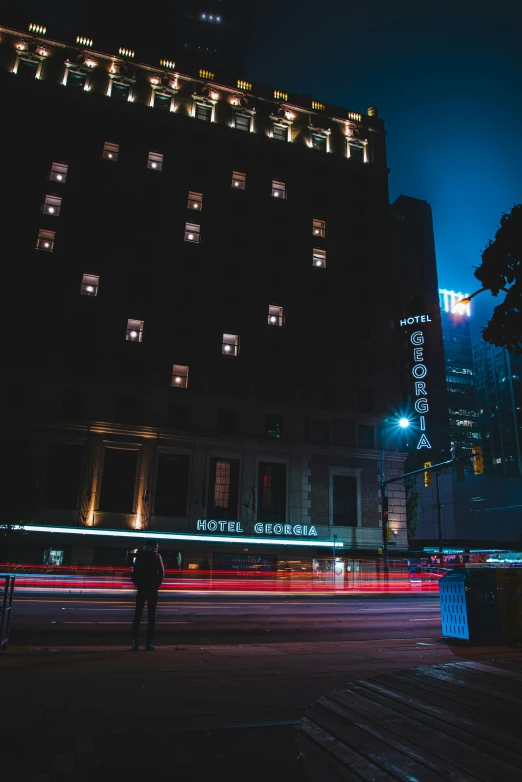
<point>167,489</point>
<point>203,107</point>
<point>52,204</point>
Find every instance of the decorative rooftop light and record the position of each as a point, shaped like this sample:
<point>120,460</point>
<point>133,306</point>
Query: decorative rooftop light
<point>244,85</point>
<point>278,95</point>
<point>169,64</point>
<point>318,106</point>
<point>84,41</point>
<point>204,74</point>
<point>38,29</point>
<point>126,53</point>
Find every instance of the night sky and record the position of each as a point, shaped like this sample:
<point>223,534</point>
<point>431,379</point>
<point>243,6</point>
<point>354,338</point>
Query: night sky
<point>446,77</point>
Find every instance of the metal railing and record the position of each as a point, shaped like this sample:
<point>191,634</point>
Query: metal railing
<point>5,610</point>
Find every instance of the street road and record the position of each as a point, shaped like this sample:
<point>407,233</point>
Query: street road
<point>39,621</point>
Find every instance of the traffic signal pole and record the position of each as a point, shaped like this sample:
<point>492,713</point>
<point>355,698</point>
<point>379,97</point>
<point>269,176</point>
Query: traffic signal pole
<point>438,468</point>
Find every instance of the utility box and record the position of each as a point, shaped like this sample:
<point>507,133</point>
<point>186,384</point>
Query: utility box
<point>469,605</point>
<point>509,591</point>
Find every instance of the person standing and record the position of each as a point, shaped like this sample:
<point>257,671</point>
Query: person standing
<point>147,575</point>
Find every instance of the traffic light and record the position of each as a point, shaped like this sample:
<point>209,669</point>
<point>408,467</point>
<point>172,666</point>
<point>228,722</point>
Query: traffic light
<point>427,475</point>
<point>478,461</point>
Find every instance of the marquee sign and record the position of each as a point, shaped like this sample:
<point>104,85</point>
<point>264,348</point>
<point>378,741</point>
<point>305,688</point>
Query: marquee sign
<point>419,371</point>
<point>300,530</point>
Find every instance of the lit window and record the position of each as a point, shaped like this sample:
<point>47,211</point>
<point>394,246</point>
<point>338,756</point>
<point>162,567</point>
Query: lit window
<point>319,258</point>
<point>280,132</point>
<point>134,330</point>
<point>278,189</point>
<point>89,286</point>
<point>319,228</point>
<point>179,376</point>
<point>110,151</point>
<point>242,121</point>
<point>238,180</point>
<point>155,161</point>
<point>275,315</point>
<point>192,232</point>
<point>52,205</point>
<point>45,240</point>
<point>230,346</point>
<point>58,172</point>
<point>356,152</point>
<point>222,485</point>
<point>203,112</point>
<point>162,102</point>
<point>120,91</point>
<point>195,201</point>
<point>319,142</point>
<point>76,79</point>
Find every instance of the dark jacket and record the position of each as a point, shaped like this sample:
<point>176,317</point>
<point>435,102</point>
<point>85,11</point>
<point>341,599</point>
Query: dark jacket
<point>148,570</point>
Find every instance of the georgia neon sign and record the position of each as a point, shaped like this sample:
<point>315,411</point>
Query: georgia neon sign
<point>419,371</point>
<point>117,533</point>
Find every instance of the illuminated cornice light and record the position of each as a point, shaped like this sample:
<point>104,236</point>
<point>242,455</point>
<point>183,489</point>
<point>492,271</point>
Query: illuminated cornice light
<point>169,64</point>
<point>243,85</point>
<point>113,533</point>
<point>289,116</point>
<point>204,74</point>
<point>278,95</point>
<point>353,115</point>
<point>214,95</point>
<point>22,46</point>
<point>90,63</point>
<point>126,53</point>
<point>84,41</point>
<point>318,106</point>
<point>38,29</point>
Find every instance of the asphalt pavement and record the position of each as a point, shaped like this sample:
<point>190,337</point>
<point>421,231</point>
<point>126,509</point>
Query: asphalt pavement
<point>220,698</point>
<point>106,622</point>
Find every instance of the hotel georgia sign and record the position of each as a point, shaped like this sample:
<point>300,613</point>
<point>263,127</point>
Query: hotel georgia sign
<point>295,530</point>
<point>419,371</point>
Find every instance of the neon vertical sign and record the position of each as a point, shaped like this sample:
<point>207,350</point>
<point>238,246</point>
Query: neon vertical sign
<point>419,372</point>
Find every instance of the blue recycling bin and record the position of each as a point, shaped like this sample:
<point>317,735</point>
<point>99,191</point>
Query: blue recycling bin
<point>469,605</point>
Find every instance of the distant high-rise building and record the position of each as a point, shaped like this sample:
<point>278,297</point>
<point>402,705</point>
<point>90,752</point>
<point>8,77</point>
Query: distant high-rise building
<point>499,396</point>
<point>460,378</point>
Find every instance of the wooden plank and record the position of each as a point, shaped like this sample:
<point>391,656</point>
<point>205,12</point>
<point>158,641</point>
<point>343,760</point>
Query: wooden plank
<point>352,760</point>
<point>467,683</point>
<point>491,668</point>
<point>318,764</point>
<point>428,689</point>
<point>447,689</point>
<point>389,759</point>
<point>429,737</point>
<point>508,683</point>
<point>376,718</point>
<point>494,741</point>
<point>508,664</point>
<point>339,721</point>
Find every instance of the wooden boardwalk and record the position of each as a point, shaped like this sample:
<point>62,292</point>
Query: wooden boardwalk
<point>460,721</point>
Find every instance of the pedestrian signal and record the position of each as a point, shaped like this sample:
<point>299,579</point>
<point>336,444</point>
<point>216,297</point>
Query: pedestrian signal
<point>478,461</point>
<point>427,475</point>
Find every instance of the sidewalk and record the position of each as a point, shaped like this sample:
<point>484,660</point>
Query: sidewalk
<point>198,711</point>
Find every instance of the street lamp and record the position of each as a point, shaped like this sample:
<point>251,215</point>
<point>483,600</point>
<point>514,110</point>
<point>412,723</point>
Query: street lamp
<point>400,423</point>
<point>460,306</point>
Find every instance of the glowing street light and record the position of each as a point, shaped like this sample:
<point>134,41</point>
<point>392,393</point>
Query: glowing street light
<point>402,423</point>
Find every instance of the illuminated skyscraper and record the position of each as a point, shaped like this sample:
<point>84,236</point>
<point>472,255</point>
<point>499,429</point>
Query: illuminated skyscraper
<point>499,396</point>
<point>460,375</point>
